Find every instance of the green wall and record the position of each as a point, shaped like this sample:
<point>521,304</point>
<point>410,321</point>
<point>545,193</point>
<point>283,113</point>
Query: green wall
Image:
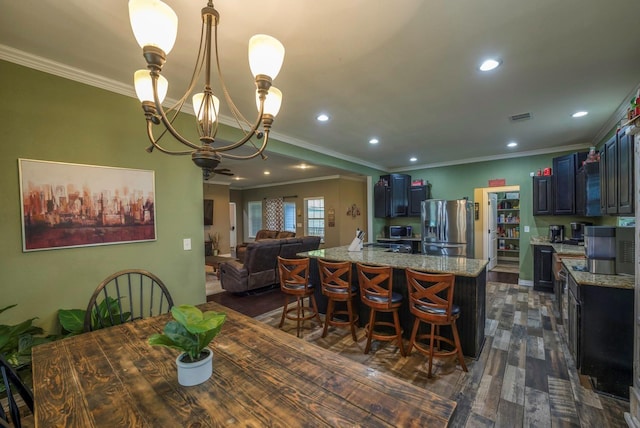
<point>51,118</point>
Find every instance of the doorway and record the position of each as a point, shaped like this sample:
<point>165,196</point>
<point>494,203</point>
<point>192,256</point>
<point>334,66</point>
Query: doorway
<point>233,234</point>
<point>498,227</point>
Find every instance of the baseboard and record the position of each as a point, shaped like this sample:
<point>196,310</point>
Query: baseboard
<point>525,282</point>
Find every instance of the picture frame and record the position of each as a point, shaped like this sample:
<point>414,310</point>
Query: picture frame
<point>68,205</point>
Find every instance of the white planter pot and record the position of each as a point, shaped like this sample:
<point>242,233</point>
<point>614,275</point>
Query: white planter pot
<point>190,374</point>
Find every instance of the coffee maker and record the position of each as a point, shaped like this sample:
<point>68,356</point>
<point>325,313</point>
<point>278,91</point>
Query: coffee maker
<point>556,233</point>
<point>577,231</point>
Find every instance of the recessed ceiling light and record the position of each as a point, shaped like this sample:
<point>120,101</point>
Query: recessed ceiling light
<point>303,166</point>
<point>413,159</point>
<point>237,178</point>
<point>374,141</point>
<point>490,64</point>
<point>322,117</point>
<point>512,144</point>
<point>580,114</point>
<point>267,173</point>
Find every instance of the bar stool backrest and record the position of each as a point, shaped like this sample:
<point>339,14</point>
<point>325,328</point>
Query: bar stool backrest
<point>430,295</point>
<point>376,285</point>
<point>294,275</point>
<point>335,278</point>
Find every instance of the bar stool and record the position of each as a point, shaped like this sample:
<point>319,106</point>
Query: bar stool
<point>335,279</point>
<point>294,282</point>
<point>376,291</point>
<point>431,302</point>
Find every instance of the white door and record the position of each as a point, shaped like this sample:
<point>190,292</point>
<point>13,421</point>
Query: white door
<point>492,217</point>
<point>232,230</point>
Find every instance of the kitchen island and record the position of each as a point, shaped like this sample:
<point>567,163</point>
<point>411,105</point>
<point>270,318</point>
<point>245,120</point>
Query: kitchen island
<point>470,286</point>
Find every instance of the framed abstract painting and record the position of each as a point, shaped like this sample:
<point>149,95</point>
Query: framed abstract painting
<point>66,205</point>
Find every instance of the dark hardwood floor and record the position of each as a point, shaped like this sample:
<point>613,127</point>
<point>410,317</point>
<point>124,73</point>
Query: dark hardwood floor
<point>524,376</point>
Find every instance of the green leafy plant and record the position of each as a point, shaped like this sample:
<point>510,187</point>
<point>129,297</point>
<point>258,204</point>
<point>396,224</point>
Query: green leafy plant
<point>190,331</point>
<point>17,340</point>
<point>72,320</point>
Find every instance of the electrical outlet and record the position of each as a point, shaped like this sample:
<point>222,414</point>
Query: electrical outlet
<point>186,244</point>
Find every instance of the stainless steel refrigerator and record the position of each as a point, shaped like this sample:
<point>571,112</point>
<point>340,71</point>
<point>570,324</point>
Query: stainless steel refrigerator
<point>447,228</point>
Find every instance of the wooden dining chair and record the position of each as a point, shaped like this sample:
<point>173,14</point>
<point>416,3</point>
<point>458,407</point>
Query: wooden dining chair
<point>376,292</point>
<point>294,282</point>
<point>335,280</point>
<point>12,383</point>
<point>125,296</point>
<point>431,302</point>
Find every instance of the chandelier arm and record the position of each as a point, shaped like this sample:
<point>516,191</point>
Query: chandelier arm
<point>227,96</point>
<point>163,116</point>
<point>155,141</point>
<point>247,136</point>
<point>258,153</point>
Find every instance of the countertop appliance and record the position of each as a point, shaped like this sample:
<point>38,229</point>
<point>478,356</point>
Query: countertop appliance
<point>577,231</point>
<point>626,250</point>
<point>600,249</point>
<point>400,232</point>
<point>447,228</point>
<point>556,233</point>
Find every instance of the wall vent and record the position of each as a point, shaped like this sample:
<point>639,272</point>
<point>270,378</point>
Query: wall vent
<point>520,117</point>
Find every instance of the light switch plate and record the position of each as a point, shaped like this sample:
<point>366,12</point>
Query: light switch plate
<point>526,229</point>
<point>186,244</point>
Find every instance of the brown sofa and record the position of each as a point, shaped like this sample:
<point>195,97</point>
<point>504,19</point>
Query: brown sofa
<point>260,265</point>
<point>260,235</point>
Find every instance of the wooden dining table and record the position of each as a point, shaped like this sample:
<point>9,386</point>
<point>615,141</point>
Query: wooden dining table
<point>261,377</point>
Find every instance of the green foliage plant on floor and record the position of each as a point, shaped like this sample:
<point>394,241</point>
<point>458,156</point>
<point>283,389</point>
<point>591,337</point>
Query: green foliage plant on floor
<point>17,340</point>
<point>72,320</point>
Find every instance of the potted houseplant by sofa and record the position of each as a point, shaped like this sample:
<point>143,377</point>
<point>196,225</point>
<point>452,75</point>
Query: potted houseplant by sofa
<point>215,242</point>
<point>191,331</point>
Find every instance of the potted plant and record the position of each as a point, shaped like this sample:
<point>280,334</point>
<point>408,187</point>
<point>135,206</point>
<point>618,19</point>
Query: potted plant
<point>215,242</point>
<point>191,331</point>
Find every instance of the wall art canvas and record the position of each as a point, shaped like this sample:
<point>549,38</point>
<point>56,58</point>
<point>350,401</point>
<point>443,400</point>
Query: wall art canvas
<point>71,205</point>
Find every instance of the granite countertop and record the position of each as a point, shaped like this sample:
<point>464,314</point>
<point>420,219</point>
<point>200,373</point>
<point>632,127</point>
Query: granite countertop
<point>583,277</point>
<point>561,249</point>
<point>380,256</point>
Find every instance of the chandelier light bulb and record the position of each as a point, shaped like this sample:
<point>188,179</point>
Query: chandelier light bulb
<point>266,55</point>
<point>272,103</point>
<point>153,23</point>
<point>144,87</point>
<point>200,109</point>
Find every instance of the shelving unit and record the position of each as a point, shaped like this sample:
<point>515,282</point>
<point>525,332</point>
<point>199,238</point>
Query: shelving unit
<point>508,226</point>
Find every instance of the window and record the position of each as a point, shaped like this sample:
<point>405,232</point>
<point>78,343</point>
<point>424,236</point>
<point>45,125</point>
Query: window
<point>254,214</point>
<point>290,216</point>
<point>314,216</point>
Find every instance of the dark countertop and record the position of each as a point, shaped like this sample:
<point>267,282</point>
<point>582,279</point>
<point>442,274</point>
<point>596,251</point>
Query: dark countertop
<point>459,266</point>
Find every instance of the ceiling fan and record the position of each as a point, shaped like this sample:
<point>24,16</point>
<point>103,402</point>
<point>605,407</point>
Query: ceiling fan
<point>209,173</point>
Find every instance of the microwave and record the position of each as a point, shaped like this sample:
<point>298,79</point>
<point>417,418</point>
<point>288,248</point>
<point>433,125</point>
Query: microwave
<point>400,232</point>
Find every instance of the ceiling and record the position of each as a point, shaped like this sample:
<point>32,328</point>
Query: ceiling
<point>404,71</point>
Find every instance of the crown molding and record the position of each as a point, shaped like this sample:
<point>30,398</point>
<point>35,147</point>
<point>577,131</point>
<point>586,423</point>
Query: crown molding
<point>497,157</point>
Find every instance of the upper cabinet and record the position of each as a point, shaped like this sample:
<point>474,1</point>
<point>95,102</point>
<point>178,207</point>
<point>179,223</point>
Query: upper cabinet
<point>417,194</point>
<point>616,175</point>
<point>564,182</point>
<point>391,195</point>
<point>588,190</point>
<point>543,195</point>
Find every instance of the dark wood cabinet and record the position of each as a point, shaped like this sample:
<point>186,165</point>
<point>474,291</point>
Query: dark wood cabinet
<point>564,182</point>
<point>616,175</point>
<point>543,195</point>
<point>381,205</point>
<point>417,194</point>
<point>600,335</point>
<point>391,195</point>
<point>588,190</point>
<point>625,174</point>
<point>543,268</point>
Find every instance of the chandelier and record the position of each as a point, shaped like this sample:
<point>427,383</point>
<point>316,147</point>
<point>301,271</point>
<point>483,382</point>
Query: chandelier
<point>155,26</point>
